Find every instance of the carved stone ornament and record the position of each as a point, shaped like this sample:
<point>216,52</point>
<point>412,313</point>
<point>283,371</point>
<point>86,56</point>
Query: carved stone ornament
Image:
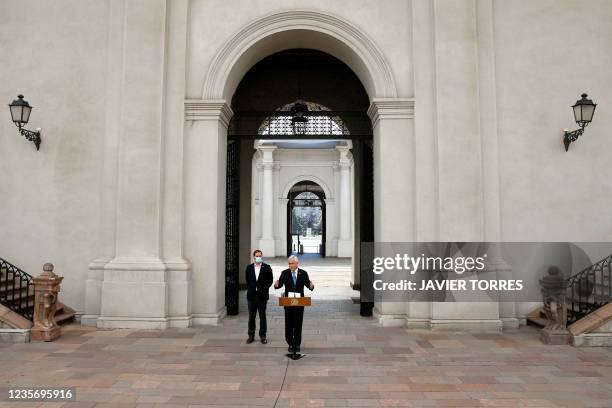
<point>46,288</point>
<point>554,288</point>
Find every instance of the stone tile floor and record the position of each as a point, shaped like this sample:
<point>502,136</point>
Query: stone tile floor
<point>350,362</point>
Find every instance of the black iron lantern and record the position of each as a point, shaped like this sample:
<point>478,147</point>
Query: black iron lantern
<point>20,114</point>
<point>20,111</point>
<point>299,120</point>
<point>584,109</point>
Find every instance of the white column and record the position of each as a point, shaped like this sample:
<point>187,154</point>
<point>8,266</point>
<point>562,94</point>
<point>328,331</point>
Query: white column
<point>266,243</point>
<point>345,243</point>
<point>394,185</point>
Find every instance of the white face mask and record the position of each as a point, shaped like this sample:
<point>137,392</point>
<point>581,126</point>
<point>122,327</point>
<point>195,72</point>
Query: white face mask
<point>258,259</point>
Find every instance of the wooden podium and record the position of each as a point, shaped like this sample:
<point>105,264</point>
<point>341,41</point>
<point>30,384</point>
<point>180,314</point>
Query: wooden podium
<point>294,301</point>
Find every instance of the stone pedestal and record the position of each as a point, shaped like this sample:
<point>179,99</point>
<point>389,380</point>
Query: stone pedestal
<point>555,337</point>
<point>46,288</point>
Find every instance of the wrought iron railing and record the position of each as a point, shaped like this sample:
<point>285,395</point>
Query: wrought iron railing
<point>589,289</point>
<point>16,289</point>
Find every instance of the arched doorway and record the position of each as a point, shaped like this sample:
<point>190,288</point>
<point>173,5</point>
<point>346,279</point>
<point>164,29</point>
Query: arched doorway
<point>208,121</point>
<point>292,100</point>
<point>306,219</point>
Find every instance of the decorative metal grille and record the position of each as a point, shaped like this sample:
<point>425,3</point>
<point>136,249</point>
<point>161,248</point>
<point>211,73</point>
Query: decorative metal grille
<point>321,124</point>
<point>232,226</point>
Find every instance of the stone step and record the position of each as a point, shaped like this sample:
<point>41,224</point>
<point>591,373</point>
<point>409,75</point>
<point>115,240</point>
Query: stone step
<point>64,314</point>
<point>64,318</point>
<point>537,317</point>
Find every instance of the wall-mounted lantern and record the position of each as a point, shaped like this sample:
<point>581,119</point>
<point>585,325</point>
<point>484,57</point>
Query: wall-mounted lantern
<point>583,114</point>
<point>20,113</point>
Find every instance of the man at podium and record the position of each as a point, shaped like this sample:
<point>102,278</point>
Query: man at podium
<point>294,279</point>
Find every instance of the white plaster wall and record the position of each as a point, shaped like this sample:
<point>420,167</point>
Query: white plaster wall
<point>55,54</point>
<point>561,50</point>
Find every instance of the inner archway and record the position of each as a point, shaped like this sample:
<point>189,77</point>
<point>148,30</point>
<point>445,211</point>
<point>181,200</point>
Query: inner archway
<point>306,219</point>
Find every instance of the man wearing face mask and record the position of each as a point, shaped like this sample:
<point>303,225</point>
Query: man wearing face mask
<point>258,279</point>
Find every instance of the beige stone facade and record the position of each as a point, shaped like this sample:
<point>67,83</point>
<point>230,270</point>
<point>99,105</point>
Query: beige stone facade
<point>127,193</point>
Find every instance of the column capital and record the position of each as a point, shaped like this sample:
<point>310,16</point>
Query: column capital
<point>345,158</point>
<point>267,154</point>
<point>391,108</point>
<point>208,109</point>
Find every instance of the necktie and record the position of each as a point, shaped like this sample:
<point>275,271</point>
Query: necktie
<point>294,278</point>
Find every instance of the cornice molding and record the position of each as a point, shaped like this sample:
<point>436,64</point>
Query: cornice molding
<point>391,108</point>
<point>208,109</point>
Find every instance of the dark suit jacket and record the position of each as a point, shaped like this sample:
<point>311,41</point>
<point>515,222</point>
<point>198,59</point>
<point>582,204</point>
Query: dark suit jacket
<point>258,289</point>
<point>286,280</point>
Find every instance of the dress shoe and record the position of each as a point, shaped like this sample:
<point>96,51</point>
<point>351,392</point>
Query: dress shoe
<point>264,340</point>
<point>250,339</point>
<point>290,349</point>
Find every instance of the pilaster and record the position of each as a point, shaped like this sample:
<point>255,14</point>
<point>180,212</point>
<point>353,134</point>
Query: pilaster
<point>205,156</point>
<point>394,184</point>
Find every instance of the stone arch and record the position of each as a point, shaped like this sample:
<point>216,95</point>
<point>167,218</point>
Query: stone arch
<point>298,29</point>
<point>307,177</point>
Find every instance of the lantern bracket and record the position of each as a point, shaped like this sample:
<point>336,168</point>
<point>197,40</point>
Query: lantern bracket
<point>32,136</point>
<point>571,137</point>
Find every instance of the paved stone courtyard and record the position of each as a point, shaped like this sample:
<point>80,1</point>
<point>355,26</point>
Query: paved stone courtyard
<point>350,362</point>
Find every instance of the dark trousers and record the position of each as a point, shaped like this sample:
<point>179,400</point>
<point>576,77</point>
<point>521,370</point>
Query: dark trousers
<point>294,316</point>
<point>254,307</point>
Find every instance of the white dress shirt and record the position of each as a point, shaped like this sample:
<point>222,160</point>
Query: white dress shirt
<point>257,268</point>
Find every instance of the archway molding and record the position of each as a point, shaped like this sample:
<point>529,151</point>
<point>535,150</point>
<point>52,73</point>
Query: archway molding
<point>298,29</point>
<point>306,177</point>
